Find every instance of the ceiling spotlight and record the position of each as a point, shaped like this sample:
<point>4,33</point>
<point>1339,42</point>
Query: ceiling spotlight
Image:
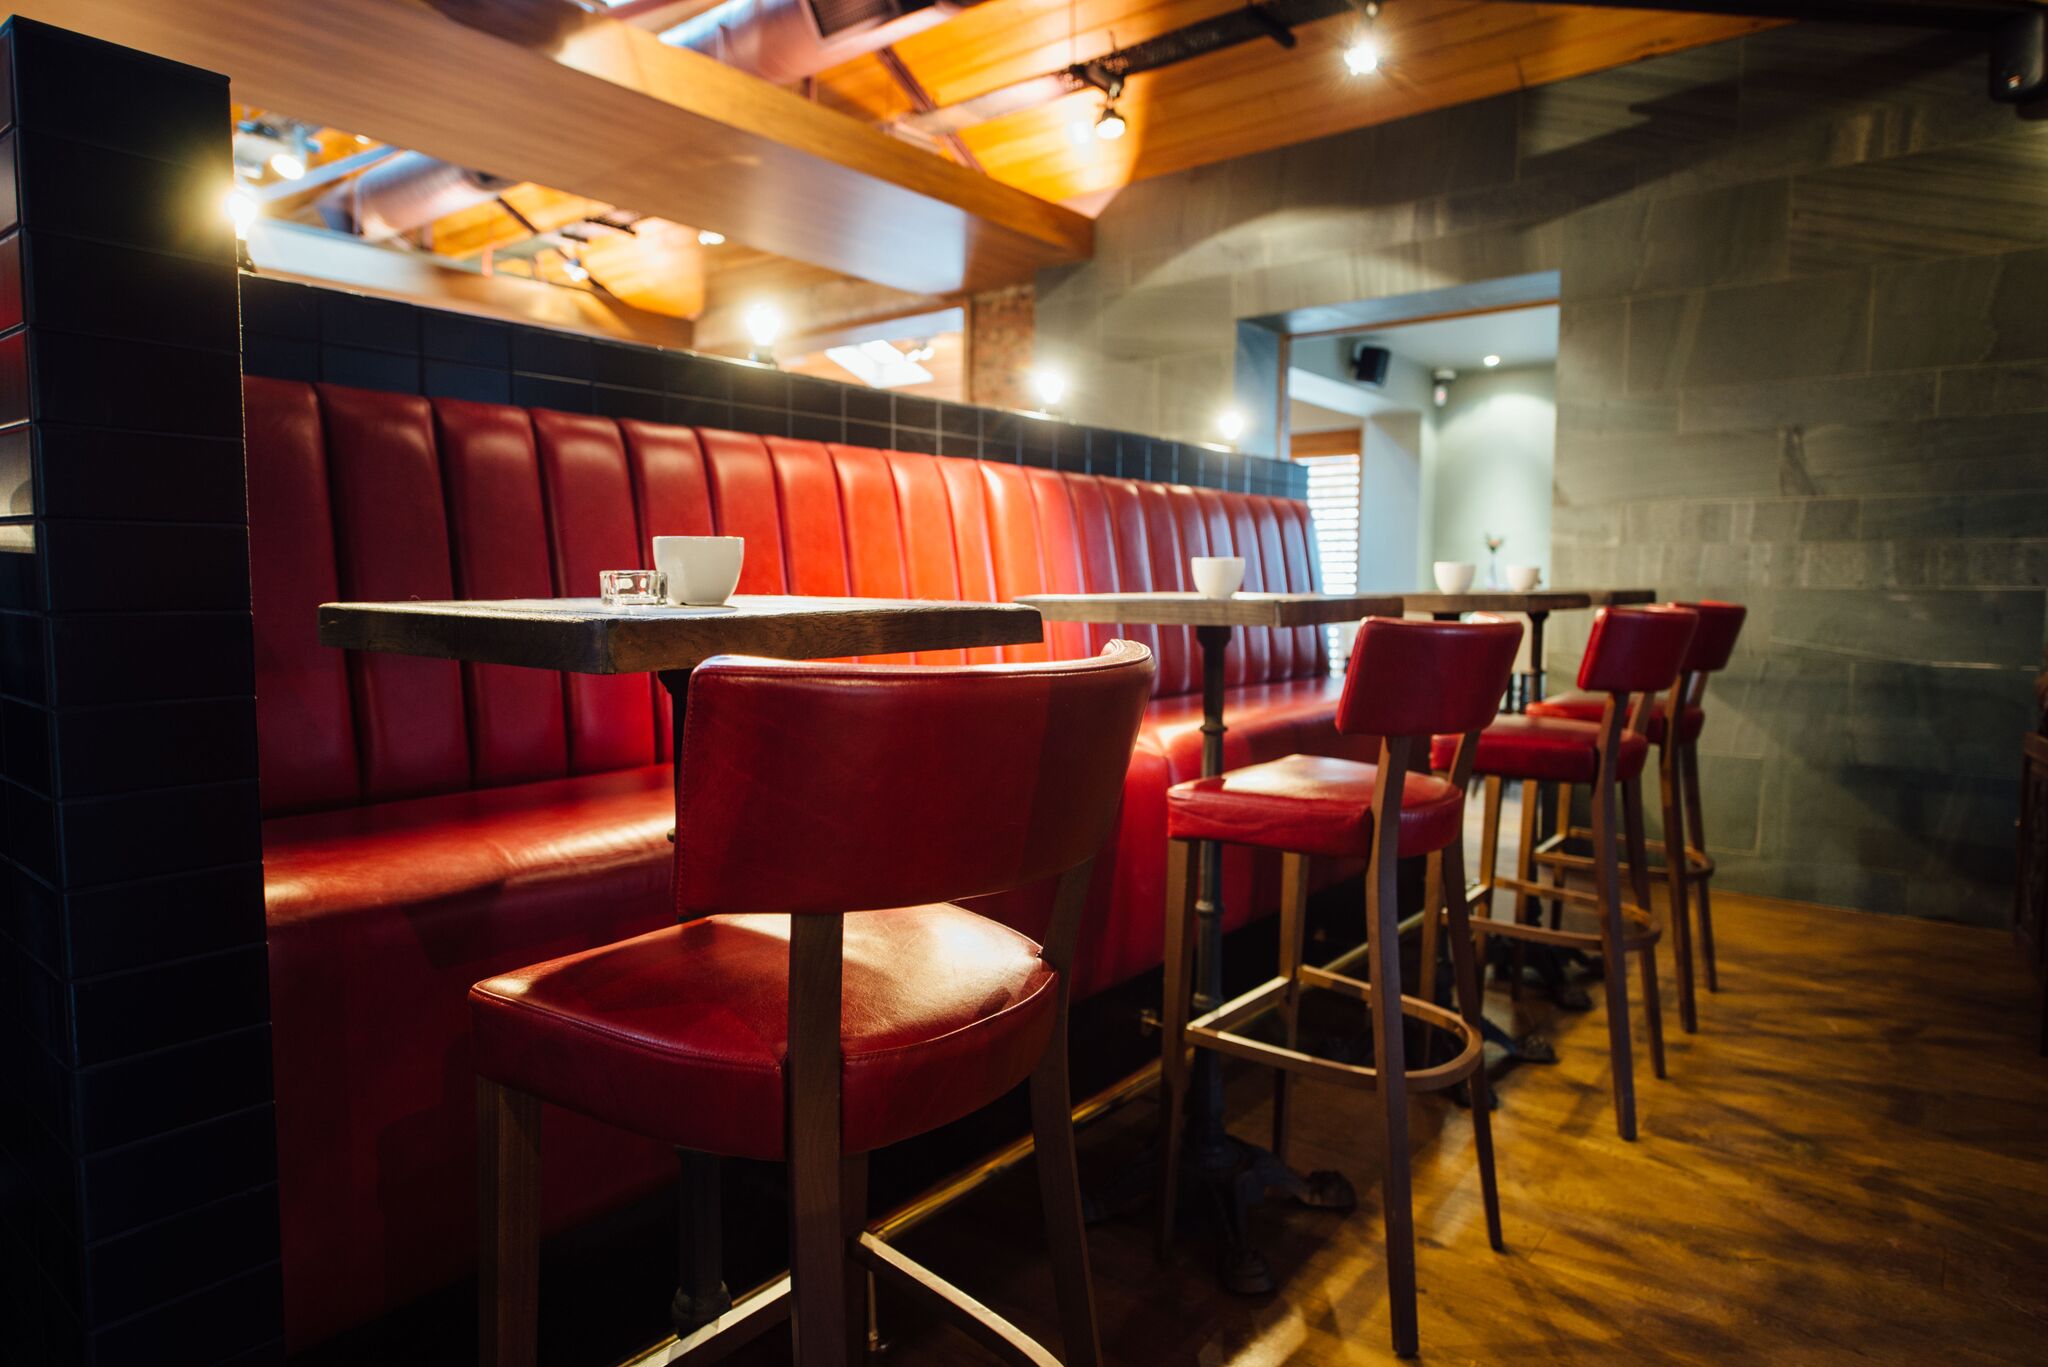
<point>289,165</point>
<point>242,210</point>
<point>1049,385</point>
<point>1109,125</point>
<point>1230,423</point>
<point>707,238</point>
<point>1490,362</point>
<point>574,269</point>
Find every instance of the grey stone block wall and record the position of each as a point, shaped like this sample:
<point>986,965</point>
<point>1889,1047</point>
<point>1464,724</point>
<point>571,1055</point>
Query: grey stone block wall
<point>1803,365</point>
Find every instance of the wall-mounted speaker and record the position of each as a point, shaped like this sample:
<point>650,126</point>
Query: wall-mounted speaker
<point>2019,58</point>
<point>1369,364</point>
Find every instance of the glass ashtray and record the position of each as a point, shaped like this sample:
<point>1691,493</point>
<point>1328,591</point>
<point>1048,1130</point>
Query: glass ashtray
<point>631,588</point>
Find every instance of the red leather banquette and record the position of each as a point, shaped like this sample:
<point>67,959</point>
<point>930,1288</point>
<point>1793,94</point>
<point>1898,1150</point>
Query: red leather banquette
<point>429,824</point>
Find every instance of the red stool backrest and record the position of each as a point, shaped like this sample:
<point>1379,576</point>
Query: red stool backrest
<point>1636,650</point>
<point>1714,642</point>
<point>1424,678</point>
<point>806,787</point>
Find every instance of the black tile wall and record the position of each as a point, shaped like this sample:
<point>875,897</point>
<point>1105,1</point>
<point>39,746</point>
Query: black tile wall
<point>300,332</point>
<point>137,1158</point>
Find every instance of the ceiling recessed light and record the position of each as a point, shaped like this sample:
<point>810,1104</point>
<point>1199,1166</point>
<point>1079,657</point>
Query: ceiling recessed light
<point>1490,361</point>
<point>707,238</point>
<point>290,165</point>
<point>1363,56</point>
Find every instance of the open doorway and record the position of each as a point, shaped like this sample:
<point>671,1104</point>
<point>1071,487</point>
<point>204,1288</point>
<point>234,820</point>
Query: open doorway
<point>1428,440</point>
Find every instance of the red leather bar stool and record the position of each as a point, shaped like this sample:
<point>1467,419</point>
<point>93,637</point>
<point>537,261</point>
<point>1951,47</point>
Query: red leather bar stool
<point>823,996</point>
<point>1631,651</point>
<point>1406,682</point>
<point>1688,868</point>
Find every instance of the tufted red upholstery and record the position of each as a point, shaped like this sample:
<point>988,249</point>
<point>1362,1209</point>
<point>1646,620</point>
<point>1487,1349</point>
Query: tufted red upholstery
<point>357,494</point>
<point>1314,804</point>
<point>1544,748</point>
<point>1591,706</point>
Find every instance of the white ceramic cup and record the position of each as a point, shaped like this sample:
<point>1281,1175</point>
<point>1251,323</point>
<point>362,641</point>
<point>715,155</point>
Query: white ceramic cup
<point>1522,578</point>
<point>1217,576</point>
<point>1454,576</point>
<point>702,571</point>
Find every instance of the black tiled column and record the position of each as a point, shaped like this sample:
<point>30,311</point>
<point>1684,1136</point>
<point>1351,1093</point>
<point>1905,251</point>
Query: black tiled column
<point>137,1148</point>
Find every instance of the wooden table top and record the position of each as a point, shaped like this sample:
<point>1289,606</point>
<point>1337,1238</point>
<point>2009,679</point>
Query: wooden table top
<point>1535,600</point>
<point>1194,610</point>
<point>582,636</point>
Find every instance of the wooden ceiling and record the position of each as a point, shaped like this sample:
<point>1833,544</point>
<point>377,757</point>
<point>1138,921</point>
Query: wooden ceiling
<point>1246,99</point>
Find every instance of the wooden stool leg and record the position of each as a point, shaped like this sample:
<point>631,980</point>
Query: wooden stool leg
<point>1489,853</point>
<point>1383,949</point>
<point>1639,875</point>
<point>1525,864</point>
<point>1465,975</point>
<point>1059,1192</point>
<point>1607,882</point>
<point>1173,1021</point>
<point>508,1234</point>
<point>1695,820</point>
<point>819,1253</point>
<point>1293,916</point>
<point>1674,876</point>
<point>1562,796</point>
<point>853,1219</point>
<point>1432,920</point>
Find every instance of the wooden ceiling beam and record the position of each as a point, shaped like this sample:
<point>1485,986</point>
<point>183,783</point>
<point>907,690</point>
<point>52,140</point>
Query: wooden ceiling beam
<point>589,105</point>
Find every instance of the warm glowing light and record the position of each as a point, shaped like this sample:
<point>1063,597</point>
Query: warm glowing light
<point>1049,385</point>
<point>575,269</point>
<point>1363,56</point>
<point>1490,362</point>
<point>764,325</point>
<point>707,238</point>
<point>1111,125</point>
<point>1230,423</point>
<point>242,210</point>
<point>290,165</point>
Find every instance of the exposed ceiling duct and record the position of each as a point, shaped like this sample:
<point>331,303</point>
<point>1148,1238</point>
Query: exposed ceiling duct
<point>786,40</point>
<point>406,192</point>
<point>1274,20</point>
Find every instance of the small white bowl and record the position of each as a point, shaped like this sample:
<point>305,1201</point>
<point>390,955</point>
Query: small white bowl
<point>1454,576</point>
<point>1217,576</point>
<point>702,571</point>
<point>1523,578</point>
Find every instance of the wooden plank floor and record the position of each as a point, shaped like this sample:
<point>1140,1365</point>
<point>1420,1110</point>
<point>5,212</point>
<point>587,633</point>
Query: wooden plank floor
<point>1848,1164</point>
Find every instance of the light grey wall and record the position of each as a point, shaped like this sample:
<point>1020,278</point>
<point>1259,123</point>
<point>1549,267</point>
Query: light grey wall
<point>1803,364</point>
<point>1496,439</point>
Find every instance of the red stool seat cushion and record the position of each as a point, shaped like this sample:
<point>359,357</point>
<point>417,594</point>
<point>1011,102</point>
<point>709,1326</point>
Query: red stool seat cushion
<point>1313,804</point>
<point>1590,707</point>
<point>1548,748</point>
<point>681,1034</point>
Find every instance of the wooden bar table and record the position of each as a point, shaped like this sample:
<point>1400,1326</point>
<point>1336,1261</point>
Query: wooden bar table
<point>1239,1173</point>
<point>583,636</point>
